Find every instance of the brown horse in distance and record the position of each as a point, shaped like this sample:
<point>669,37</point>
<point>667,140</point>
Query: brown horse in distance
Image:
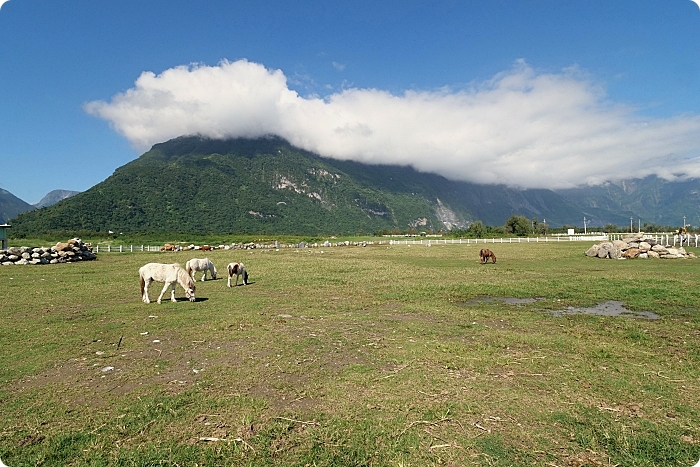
<point>485,254</point>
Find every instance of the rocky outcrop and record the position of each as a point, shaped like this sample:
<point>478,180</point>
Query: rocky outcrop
<point>63,252</point>
<point>637,245</point>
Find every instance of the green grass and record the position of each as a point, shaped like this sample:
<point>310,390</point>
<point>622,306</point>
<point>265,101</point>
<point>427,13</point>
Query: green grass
<point>353,356</point>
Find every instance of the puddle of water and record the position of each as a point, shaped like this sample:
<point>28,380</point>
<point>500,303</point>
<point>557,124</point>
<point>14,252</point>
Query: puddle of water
<point>609,308</point>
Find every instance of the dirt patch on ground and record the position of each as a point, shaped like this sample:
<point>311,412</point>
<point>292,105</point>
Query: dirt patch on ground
<point>103,371</point>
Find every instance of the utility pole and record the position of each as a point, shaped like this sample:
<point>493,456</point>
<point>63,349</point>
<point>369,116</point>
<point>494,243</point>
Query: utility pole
<point>684,222</point>
<point>631,228</point>
<point>584,225</point>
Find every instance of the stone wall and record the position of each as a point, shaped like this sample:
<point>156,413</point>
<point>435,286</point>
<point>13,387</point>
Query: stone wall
<point>70,251</point>
<point>637,246</point>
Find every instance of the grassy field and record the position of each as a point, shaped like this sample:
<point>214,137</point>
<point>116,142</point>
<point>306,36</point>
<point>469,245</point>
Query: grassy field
<point>376,356</point>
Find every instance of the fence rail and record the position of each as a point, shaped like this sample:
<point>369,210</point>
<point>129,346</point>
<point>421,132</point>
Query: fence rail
<point>666,239</point>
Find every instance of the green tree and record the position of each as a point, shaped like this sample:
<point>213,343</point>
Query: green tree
<point>517,225</point>
<point>477,229</point>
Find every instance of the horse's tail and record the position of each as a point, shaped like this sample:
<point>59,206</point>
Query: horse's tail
<point>143,284</point>
<point>188,268</point>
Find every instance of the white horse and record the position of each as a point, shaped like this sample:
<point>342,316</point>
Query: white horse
<point>168,273</point>
<point>239,270</point>
<point>204,265</point>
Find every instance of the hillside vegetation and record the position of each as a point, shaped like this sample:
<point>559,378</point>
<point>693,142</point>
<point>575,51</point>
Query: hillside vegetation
<point>196,185</point>
<point>192,184</point>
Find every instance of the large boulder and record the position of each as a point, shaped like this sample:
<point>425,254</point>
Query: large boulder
<point>592,251</point>
<point>61,246</point>
<point>637,245</point>
<point>631,253</point>
<point>604,249</point>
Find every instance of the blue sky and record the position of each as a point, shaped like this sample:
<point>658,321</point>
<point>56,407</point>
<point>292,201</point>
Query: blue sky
<point>527,93</point>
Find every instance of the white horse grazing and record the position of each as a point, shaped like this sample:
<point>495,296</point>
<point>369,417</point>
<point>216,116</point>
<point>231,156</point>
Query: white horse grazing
<point>204,265</point>
<point>239,270</point>
<point>168,273</point>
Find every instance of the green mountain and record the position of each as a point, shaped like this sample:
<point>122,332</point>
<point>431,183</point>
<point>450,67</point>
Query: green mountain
<point>10,206</point>
<point>265,185</point>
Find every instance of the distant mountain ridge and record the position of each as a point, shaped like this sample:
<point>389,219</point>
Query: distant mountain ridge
<point>651,199</point>
<point>10,206</point>
<point>265,185</point>
<point>54,197</point>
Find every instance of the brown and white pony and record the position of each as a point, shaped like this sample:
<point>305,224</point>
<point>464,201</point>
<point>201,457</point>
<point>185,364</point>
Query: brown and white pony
<point>485,254</point>
<point>168,273</point>
<point>202,265</point>
<point>237,269</point>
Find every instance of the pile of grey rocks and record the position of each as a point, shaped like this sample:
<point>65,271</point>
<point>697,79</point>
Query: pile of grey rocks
<point>63,252</point>
<point>637,245</point>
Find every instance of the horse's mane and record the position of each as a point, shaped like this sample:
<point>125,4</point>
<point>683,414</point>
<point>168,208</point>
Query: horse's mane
<point>184,278</point>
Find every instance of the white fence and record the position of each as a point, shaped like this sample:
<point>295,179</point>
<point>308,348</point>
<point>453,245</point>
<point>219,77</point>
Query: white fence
<point>477,241</point>
<point>666,239</point>
<point>124,248</point>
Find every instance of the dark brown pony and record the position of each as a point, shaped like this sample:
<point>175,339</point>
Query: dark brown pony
<point>485,254</point>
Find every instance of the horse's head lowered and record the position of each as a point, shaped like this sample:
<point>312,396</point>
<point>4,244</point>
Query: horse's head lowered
<point>189,293</point>
<point>187,283</point>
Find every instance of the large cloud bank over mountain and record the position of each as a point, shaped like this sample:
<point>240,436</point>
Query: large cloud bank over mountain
<point>520,128</point>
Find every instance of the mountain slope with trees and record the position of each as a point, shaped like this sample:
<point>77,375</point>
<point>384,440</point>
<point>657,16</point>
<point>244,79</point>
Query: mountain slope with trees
<point>265,185</point>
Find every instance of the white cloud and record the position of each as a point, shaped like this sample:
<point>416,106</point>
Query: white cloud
<point>341,67</point>
<point>521,128</point>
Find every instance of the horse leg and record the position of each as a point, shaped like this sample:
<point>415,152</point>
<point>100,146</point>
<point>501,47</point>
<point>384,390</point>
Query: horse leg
<point>204,275</point>
<point>172,293</point>
<point>162,292</point>
<point>145,291</point>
